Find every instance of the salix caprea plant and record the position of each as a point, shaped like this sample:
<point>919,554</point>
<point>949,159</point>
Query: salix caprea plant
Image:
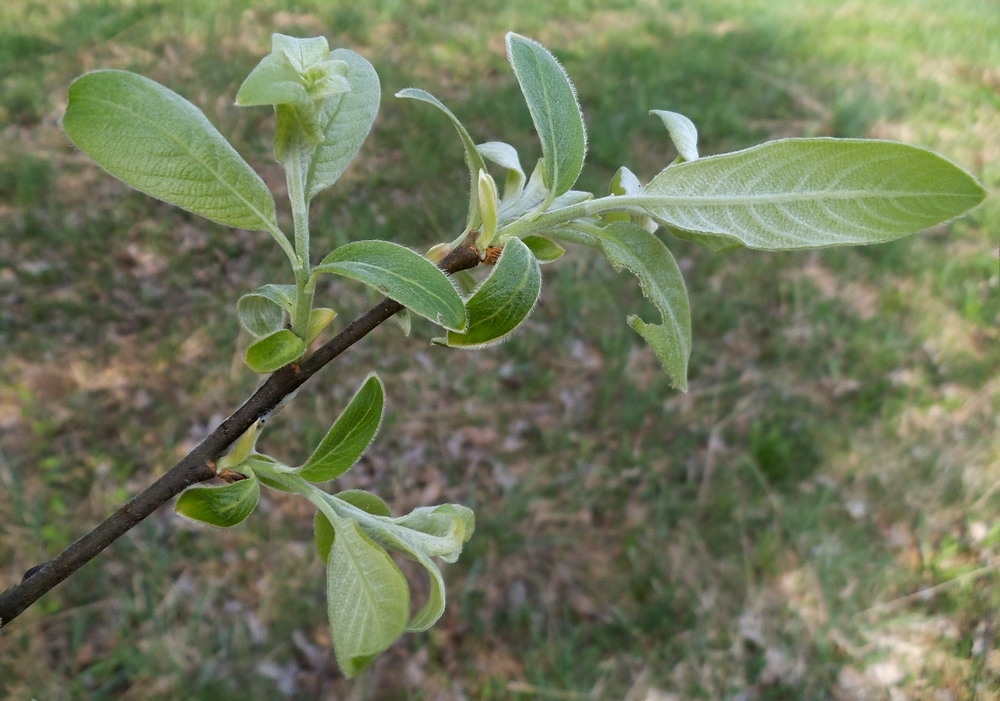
<point>786,194</point>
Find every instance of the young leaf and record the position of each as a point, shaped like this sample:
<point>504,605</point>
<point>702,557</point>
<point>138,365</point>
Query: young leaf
<point>344,123</point>
<point>262,311</point>
<point>505,156</point>
<point>682,131</point>
<point>472,155</point>
<point>554,110</point>
<point>401,274</point>
<point>503,301</point>
<point>220,506</point>
<point>488,206</point>
<point>545,250</point>
<point>366,501</point>
<point>629,245</point>
<point>349,436</point>
<point>319,319</point>
<point>367,598</point>
<point>324,536</point>
<point>274,351</point>
<point>802,193</point>
<point>159,143</point>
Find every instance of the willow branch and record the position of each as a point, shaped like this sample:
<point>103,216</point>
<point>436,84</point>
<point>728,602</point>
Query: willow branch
<point>198,465</point>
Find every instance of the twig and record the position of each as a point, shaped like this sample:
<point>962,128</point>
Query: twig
<point>198,465</point>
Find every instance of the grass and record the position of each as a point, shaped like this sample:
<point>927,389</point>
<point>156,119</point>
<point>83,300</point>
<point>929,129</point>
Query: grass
<point>765,536</point>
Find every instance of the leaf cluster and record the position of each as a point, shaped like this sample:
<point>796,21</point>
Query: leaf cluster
<point>787,194</point>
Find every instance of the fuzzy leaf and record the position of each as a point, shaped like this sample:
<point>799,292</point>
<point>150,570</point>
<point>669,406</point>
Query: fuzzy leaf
<point>159,143</point>
<point>503,301</point>
<point>319,319</point>
<point>554,110</point>
<point>220,506</point>
<point>472,155</point>
<point>545,250</point>
<point>630,246</point>
<point>274,351</point>
<point>344,123</point>
<point>262,311</point>
<point>368,599</point>
<point>350,435</point>
<point>401,274</point>
<point>804,193</point>
<point>505,156</point>
<point>682,131</point>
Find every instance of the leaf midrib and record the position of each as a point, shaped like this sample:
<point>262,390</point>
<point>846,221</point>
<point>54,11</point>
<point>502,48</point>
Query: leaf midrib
<point>269,225</point>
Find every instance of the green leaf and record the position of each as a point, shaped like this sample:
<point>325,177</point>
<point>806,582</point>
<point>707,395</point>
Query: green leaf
<point>367,598</point>
<point>505,156</point>
<point>159,143</point>
<point>716,243</point>
<point>319,319</point>
<point>274,351</point>
<point>503,301</point>
<point>262,311</point>
<point>366,501</point>
<point>554,110</point>
<point>488,207</point>
<point>323,529</point>
<point>220,506</point>
<point>427,532</point>
<point>803,193</point>
<point>545,250</point>
<point>324,536</point>
<point>402,275</point>
<point>241,449</point>
<point>472,155</point>
<point>682,132</point>
<point>350,435</point>
<point>344,123</point>
<point>629,245</point>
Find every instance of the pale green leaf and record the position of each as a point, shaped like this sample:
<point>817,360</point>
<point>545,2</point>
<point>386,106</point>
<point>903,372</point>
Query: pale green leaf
<point>220,506</point>
<point>554,110</point>
<point>274,351</point>
<point>488,206</point>
<point>262,311</point>
<point>159,143</point>
<point>323,536</point>
<point>367,598</point>
<point>241,449</point>
<point>503,301</point>
<point>472,155</point>
<point>366,501</point>
<point>505,156</point>
<point>319,319</point>
<point>350,435</point>
<point>682,131</point>
<point>630,246</point>
<point>803,193</point>
<point>402,275</point>
<point>344,123</point>
<point>323,529</point>
<point>545,250</point>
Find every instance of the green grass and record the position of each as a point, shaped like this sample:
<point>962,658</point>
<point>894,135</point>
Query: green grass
<point>757,538</point>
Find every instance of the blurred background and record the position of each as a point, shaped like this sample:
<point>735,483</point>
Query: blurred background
<point>817,518</point>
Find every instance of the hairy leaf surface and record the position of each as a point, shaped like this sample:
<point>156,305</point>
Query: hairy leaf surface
<point>368,599</point>
<point>350,435</point>
<point>503,301</point>
<point>554,110</point>
<point>805,193</point>
<point>399,273</point>
<point>159,143</point>
<point>220,506</point>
